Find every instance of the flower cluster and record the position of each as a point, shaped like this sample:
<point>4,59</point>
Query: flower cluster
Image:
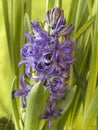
<point>50,54</point>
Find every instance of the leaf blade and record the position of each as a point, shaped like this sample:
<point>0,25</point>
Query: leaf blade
<point>91,113</point>
<point>15,111</point>
<point>34,107</point>
<point>84,28</point>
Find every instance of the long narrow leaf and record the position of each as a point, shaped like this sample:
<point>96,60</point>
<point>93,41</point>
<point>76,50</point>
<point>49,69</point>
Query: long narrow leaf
<point>8,18</point>
<point>59,3</point>
<point>34,107</point>
<point>19,33</point>
<point>28,8</point>
<point>15,111</point>
<point>82,4</point>
<point>91,113</point>
<point>27,25</point>
<point>73,10</point>
<point>49,4</point>
<point>84,28</point>
<point>93,68</point>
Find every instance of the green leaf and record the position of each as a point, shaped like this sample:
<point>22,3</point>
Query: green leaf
<point>34,107</point>
<point>82,5</point>
<point>15,111</point>
<point>92,80</point>
<point>90,5</point>
<point>73,11</point>
<point>6,16</point>
<point>8,19</point>
<point>59,3</point>
<point>84,28</point>
<point>83,13</point>
<point>46,96</point>
<point>92,112</point>
<point>49,4</point>
<point>28,7</point>
<point>19,32</point>
<point>27,23</point>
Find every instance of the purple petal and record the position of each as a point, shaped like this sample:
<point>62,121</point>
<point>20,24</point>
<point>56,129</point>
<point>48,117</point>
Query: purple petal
<point>66,30</point>
<point>23,102</point>
<point>29,37</point>
<point>50,122</point>
<point>18,93</point>
<point>22,82</point>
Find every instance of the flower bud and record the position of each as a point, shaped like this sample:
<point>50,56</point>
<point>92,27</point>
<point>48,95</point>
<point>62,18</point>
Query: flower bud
<point>53,16</point>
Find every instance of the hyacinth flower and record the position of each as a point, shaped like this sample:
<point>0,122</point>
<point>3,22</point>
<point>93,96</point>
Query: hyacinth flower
<point>22,92</point>
<point>50,55</point>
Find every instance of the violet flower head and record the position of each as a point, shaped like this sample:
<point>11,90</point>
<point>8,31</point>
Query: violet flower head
<point>50,55</point>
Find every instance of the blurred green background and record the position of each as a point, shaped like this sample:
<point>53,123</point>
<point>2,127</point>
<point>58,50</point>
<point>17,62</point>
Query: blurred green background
<point>38,12</point>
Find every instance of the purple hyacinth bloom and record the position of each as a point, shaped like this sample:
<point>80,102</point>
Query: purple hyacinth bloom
<point>50,55</point>
<point>22,92</point>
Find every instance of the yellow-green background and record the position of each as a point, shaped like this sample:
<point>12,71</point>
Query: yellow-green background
<point>38,12</point>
